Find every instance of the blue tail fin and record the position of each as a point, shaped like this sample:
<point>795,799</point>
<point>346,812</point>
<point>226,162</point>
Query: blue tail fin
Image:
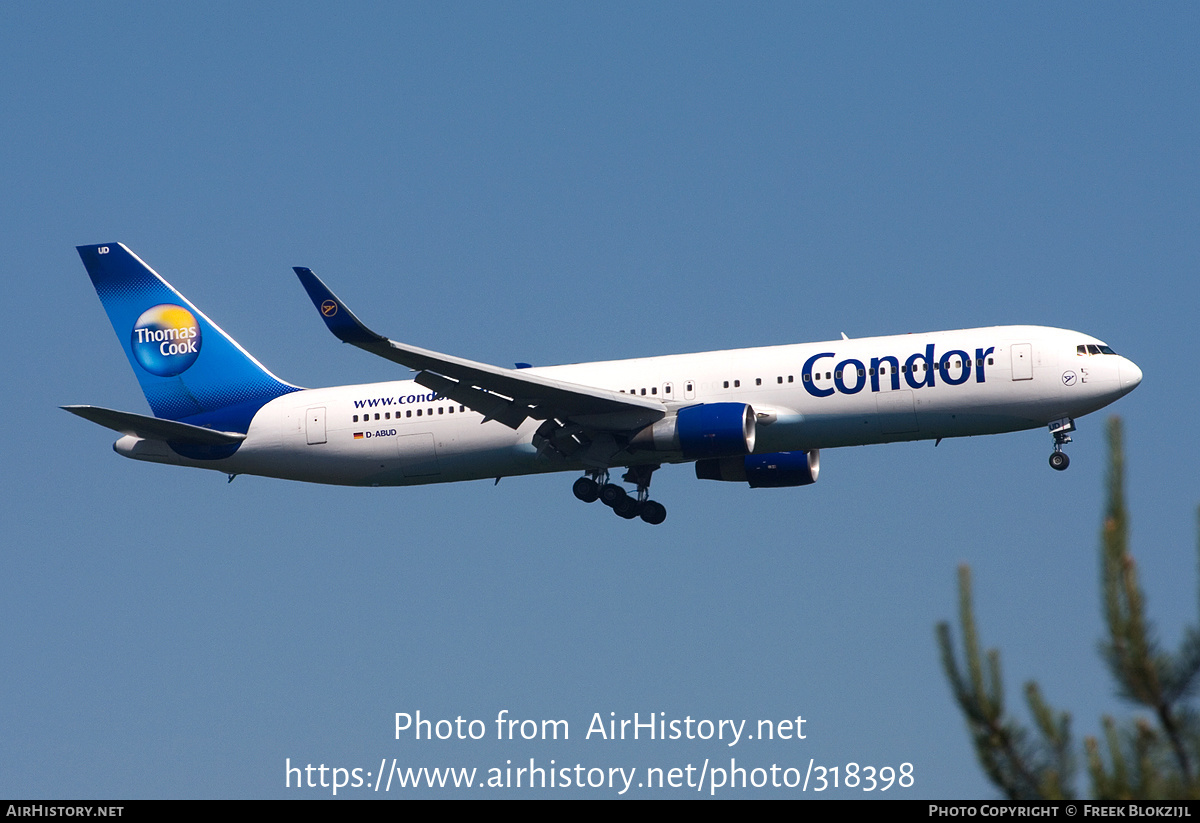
<point>188,368</point>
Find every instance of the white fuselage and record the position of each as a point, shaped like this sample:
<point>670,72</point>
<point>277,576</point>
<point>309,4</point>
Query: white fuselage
<point>805,396</point>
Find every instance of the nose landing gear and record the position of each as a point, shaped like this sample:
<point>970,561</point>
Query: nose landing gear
<point>1060,428</point>
<point>595,486</point>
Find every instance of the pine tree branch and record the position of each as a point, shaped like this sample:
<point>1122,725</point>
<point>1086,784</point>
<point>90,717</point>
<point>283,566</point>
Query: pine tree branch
<point>1150,757</point>
<point>1000,743</point>
<point>1144,673</point>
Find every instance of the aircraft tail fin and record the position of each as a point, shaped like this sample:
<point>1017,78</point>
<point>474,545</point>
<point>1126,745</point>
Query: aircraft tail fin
<point>189,369</point>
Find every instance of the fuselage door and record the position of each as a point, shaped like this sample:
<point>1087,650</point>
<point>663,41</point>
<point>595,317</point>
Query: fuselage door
<point>1022,361</point>
<point>315,425</point>
<point>897,414</point>
<point>418,455</point>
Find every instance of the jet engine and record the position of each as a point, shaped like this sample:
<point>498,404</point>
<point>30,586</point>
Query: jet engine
<point>764,471</point>
<point>709,430</point>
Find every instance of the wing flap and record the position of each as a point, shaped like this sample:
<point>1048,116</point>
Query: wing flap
<point>491,406</point>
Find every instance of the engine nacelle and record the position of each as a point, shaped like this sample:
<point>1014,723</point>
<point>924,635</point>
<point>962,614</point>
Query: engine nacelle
<point>715,430</point>
<point>709,430</point>
<point>704,431</point>
<point>764,471</point>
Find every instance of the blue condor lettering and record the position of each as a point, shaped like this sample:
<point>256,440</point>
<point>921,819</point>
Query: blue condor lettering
<point>921,369</point>
<point>398,401</point>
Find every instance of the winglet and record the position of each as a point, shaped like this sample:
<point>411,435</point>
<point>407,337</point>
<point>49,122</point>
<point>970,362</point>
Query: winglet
<point>337,316</point>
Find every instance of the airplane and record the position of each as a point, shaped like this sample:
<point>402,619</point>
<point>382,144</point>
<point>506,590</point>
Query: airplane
<point>758,416</point>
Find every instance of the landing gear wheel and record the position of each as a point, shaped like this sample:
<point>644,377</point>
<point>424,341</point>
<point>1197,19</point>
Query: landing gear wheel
<point>1059,461</point>
<point>653,512</point>
<point>627,507</point>
<point>586,489</point>
<point>611,494</point>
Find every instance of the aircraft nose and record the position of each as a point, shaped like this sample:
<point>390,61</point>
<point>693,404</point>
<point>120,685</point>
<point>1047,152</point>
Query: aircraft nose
<point>1131,375</point>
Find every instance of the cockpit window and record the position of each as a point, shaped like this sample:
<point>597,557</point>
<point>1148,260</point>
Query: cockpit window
<point>1106,350</point>
<point>1093,348</point>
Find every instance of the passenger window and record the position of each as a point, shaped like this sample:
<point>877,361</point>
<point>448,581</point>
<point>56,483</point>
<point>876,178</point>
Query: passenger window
<point>408,413</point>
<point>758,381</point>
<point>737,384</point>
<point>726,384</point>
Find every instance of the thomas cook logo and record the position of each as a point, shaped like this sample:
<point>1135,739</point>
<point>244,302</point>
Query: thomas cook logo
<point>166,340</point>
<point>329,308</point>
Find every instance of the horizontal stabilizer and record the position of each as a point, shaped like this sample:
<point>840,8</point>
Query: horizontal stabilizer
<point>154,428</point>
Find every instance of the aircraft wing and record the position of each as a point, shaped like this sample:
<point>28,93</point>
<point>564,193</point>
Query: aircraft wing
<point>506,395</point>
<point>154,428</point>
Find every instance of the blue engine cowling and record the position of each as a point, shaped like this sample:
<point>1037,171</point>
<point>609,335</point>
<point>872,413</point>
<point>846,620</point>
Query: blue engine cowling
<point>764,471</point>
<point>713,430</point>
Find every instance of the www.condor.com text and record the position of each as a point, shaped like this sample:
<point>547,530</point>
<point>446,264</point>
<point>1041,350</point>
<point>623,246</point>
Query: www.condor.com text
<point>708,777</point>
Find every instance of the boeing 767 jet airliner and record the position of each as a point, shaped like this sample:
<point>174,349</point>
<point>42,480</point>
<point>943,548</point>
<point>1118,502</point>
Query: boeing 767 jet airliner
<point>757,416</point>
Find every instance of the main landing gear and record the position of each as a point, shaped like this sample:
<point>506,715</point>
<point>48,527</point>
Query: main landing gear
<point>595,486</point>
<point>1060,428</point>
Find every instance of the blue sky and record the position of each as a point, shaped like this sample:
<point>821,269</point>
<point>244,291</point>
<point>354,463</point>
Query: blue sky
<point>557,183</point>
